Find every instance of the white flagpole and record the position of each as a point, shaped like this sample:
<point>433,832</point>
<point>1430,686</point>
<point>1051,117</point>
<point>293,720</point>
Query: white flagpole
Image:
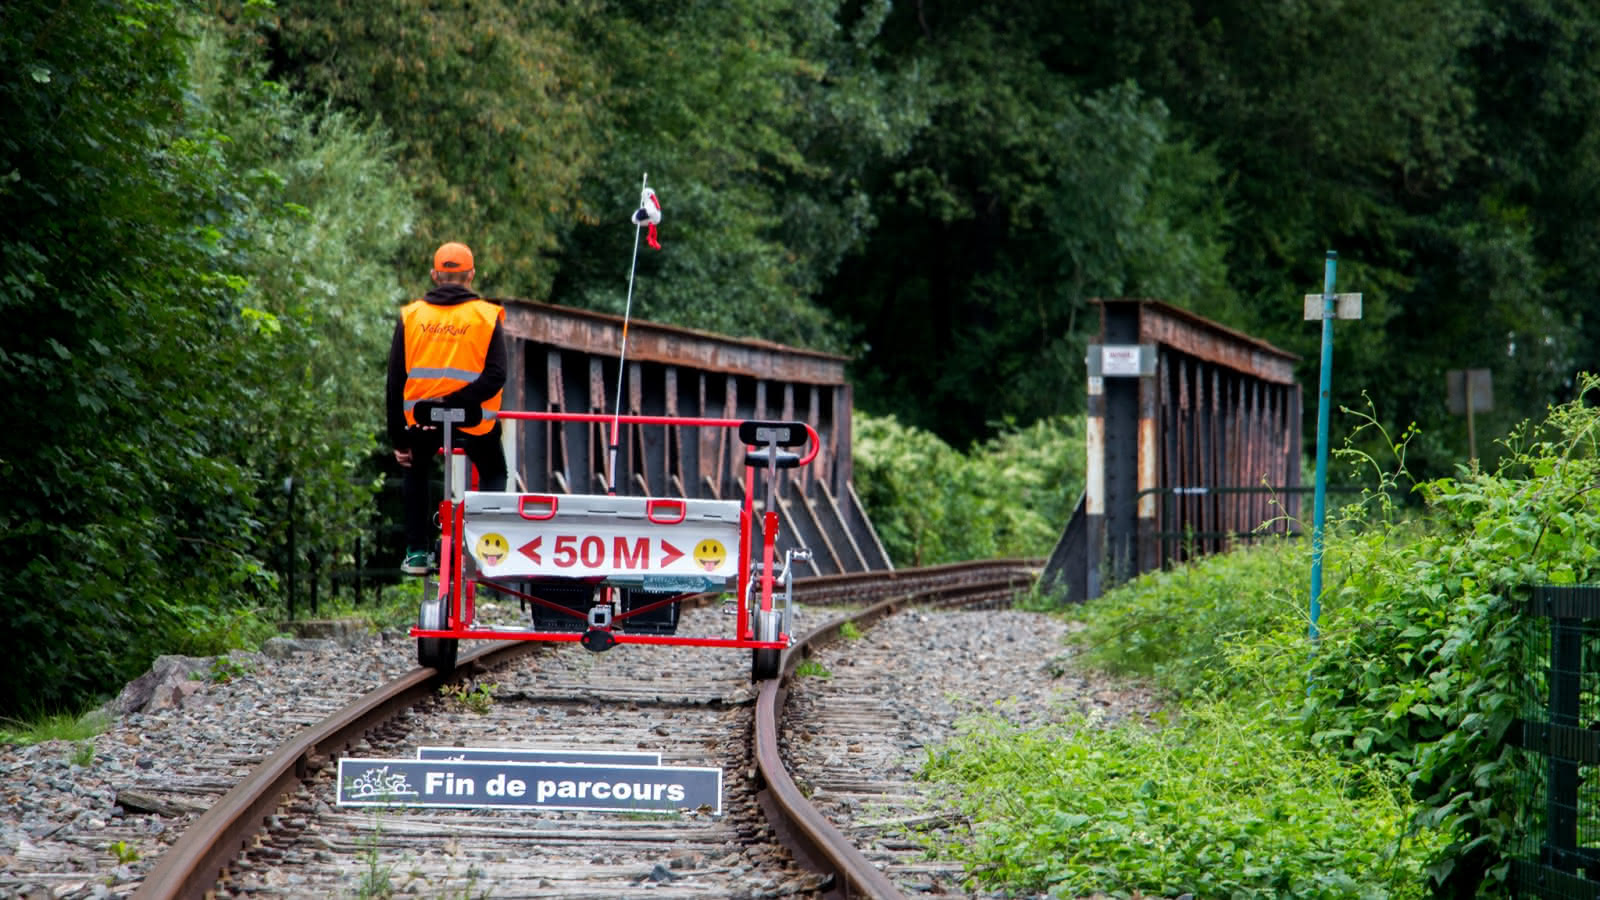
<point>622,360</point>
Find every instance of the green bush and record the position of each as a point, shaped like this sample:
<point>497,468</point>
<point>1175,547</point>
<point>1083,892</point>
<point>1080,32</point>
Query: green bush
<point>1230,798</point>
<point>192,268</point>
<point>1010,496</point>
<point>1218,804</point>
<point>1180,625</point>
<point>1423,661</point>
<point>1378,751</point>
<point>1422,664</point>
<point>327,215</point>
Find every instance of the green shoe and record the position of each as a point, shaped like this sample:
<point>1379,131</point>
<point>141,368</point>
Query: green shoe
<point>417,562</point>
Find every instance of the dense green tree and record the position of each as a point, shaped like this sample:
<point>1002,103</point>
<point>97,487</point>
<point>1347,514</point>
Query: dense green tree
<point>1444,149</point>
<point>1413,137</point>
<point>756,122</point>
<point>206,234</point>
<point>177,337</point>
<point>326,214</point>
<point>528,128</point>
<point>119,321</point>
<point>497,112</point>
<point>1023,198</point>
<point>1536,78</point>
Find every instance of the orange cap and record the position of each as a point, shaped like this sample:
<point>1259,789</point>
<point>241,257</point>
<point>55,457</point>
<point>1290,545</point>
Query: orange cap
<point>452,257</point>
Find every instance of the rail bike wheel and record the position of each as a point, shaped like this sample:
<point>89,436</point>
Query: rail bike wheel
<point>764,660</point>
<point>434,653</point>
<point>763,663</point>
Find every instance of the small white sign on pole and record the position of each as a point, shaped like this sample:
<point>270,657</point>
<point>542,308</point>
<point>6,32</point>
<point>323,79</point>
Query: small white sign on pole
<point>1346,306</point>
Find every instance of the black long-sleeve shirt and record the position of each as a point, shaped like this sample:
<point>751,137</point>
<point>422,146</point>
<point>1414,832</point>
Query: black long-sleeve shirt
<point>487,385</point>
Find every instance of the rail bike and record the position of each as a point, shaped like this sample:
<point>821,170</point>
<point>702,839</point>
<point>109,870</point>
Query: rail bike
<point>607,569</point>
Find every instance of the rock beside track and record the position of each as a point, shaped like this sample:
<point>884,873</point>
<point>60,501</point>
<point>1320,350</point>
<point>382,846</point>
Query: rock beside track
<point>88,818</point>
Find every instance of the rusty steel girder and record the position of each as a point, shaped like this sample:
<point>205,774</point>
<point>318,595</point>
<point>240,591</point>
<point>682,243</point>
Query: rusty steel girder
<point>562,359</point>
<point>1193,438</point>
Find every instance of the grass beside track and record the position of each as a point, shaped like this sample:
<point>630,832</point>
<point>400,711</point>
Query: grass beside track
<point>1225,796</point>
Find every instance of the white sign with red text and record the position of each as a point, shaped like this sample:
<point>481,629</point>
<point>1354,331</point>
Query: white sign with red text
<point>511,535</point>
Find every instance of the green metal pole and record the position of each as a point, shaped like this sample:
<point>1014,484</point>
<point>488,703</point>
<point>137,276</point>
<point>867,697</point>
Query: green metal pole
<point>1324,399</point>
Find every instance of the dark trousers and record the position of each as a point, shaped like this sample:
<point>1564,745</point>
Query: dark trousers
<point>483,450</point>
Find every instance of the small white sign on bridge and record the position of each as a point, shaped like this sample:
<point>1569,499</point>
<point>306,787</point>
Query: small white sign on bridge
<point>1121,360</point>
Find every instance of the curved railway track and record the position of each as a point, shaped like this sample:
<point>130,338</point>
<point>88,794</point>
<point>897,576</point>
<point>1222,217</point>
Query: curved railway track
<point>276,834</point>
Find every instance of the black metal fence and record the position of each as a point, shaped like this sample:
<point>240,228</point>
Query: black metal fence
<point>1179,545</point>
<point>362,565</point>
<point>1559,733</point>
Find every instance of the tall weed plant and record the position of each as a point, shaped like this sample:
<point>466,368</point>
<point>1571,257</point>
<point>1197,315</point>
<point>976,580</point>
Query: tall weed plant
<point>1187,627</point>
<point>1229,797</point>
<point>1421,668</point>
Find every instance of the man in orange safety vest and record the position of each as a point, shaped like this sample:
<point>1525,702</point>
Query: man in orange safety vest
<point>448,351</point>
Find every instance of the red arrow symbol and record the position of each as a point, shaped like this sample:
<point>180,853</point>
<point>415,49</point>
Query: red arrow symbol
<point>531,550</point>
<point>670,554</point>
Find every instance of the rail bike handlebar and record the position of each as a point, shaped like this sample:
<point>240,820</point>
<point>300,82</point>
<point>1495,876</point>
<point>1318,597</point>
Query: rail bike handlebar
<point>699,422</point>
<point>435,414</point>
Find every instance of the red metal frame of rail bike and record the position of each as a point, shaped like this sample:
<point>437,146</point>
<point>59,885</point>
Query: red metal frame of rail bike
<point>457,590</point>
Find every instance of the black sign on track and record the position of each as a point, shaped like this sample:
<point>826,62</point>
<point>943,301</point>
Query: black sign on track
<point>401,783</point>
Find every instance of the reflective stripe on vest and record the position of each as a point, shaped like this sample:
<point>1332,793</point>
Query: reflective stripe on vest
<point>445,350</point>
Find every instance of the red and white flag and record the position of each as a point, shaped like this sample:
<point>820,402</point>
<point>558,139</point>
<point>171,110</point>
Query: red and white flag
<point>648,214</point>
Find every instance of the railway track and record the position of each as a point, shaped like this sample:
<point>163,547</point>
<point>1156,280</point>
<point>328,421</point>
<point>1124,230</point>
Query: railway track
<point>848,837</point>
<point>566,699</point>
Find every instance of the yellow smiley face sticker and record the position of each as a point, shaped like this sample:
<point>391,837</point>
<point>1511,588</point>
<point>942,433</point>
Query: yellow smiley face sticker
<point>709,554</point>
<point>492,548</point>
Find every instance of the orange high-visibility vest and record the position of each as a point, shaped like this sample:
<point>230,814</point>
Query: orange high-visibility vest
<point>445,350</point>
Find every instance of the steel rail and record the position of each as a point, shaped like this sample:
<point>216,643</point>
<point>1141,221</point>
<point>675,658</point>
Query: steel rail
<point>192,866</point>
<point>872,586</point>
<point>815,841</point>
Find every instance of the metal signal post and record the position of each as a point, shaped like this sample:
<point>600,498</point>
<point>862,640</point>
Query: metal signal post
<point>1327,306</point>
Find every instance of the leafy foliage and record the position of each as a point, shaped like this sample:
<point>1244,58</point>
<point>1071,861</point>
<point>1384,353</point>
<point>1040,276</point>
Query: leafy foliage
<point>1444,149</point>
<point>944,190</point>
<point>1184,626</point>
<point>1422,664</point>
<point>496,109</point>
<point>1023,197</point>
<point>755,121</point>
<point>120,507</point>
<point>1215,805</point>
<point>145,251</point>
<point>1424,655</point>
<point>1010,496</point>
<point>1229,796</point>
<point>527,127</point>
<point>326,213</point>
<point>478,697</point>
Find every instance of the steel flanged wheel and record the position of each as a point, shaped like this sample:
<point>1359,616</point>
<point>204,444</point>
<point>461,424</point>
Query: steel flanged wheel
<point>763,663</point>
<point>434,653</point>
